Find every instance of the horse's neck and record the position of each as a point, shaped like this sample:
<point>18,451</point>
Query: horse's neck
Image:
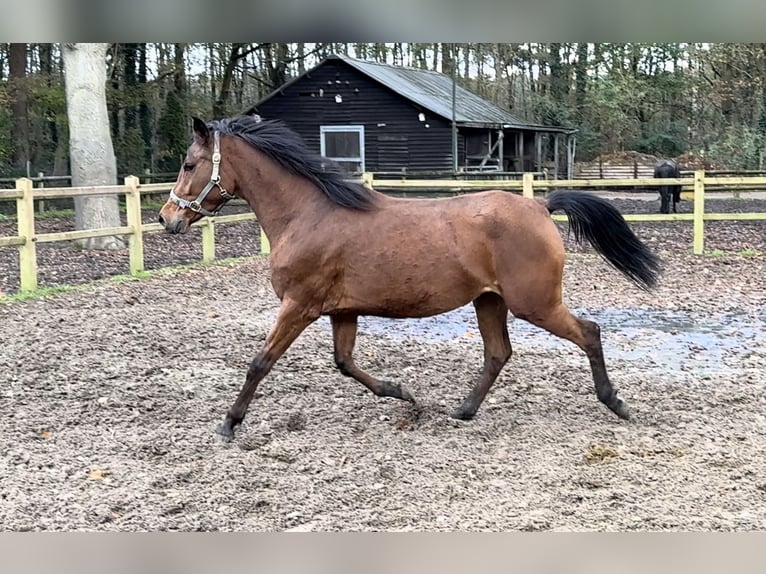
<point>280,199</point>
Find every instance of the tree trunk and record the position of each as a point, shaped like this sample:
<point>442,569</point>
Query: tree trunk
<point>219,106</point>
<point>581,77</point>
<point>144,111</point>
<point>17,76</point>
<point>90,142</point>
<point>276,63</point>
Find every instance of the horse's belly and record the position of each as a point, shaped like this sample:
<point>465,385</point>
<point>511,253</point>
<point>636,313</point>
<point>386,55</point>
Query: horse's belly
<point>408,297</point>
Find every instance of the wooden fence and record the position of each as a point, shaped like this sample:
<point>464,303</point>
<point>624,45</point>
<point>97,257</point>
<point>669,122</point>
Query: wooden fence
<point>25,195</point>
<point>26,240</point>
<point>529,185</point>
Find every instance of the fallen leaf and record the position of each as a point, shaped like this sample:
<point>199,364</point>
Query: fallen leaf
<point>98,474</point>
<point>45,434</point>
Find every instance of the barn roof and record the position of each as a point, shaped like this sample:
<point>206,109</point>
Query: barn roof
<point>433,92</point>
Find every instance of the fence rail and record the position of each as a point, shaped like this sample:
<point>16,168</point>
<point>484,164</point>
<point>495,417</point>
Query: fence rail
<point>27,239</point>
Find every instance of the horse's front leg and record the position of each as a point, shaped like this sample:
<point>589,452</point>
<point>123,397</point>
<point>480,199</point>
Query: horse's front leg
<point>292,319</point>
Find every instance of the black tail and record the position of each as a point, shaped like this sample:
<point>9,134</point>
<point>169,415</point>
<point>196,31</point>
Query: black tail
<point>598,221</point>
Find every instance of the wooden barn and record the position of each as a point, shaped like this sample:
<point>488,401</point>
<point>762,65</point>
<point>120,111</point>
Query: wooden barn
<point>394,119</point>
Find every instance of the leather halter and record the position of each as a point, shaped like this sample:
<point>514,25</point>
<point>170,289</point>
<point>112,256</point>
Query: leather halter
<point>215,181</point>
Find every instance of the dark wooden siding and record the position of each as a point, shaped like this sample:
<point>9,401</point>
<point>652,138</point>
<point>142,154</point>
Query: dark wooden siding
<point>394,136</point>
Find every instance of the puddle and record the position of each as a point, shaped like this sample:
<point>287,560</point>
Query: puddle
<point>649,338</point>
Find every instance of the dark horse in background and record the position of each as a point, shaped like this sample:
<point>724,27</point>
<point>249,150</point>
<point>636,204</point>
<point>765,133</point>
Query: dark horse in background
<point>342,250</point>
<point>668,169</point>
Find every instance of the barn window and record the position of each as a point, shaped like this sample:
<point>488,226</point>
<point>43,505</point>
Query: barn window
<point>345,145</point>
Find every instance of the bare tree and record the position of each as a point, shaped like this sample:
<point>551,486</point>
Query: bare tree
<point>90,141</point>
<point>19,104</point>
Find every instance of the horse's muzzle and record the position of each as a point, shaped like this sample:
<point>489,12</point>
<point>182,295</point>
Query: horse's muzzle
<point>174,226</point>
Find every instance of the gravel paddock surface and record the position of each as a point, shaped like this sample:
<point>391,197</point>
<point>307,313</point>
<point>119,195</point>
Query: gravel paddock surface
<point>110,396</point>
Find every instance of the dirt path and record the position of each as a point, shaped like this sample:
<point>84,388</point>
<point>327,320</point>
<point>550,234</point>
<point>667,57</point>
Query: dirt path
<point>110,397</point>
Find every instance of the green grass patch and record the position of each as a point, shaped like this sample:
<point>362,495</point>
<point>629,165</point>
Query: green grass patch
<point>741,253</point>
<point>42,292</point>
<point>54,214</point>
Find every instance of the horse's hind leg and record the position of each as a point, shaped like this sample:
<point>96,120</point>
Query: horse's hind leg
<point>492,315</point>
<point>344,338</point>
<point>586,335</point>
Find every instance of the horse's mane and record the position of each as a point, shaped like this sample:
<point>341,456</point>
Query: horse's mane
<point>287,148</point>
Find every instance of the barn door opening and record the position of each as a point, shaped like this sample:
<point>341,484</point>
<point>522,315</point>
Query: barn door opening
<point>345,145</point>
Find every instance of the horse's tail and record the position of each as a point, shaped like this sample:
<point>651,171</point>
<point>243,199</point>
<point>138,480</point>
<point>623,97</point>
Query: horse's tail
<point>598,221</point>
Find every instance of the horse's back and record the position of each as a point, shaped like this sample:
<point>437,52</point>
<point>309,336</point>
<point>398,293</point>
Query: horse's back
<point>666,168</point>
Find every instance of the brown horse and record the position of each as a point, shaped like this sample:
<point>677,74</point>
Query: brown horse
<point>343,250</point>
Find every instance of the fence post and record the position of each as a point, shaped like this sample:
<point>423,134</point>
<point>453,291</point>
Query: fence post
<point>265,245</point>
<point>367,179</point>
<point>41,184</point>
<point>133,211</point>
<point>208,240</point>
<point>527,184</point>
<point>699,212</point>
<point>25,220</point>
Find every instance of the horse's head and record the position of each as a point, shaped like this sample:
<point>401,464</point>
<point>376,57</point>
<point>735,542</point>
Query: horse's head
<point>199,189</point>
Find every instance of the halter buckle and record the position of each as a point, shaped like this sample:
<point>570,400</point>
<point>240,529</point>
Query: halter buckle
<point>195,206</point>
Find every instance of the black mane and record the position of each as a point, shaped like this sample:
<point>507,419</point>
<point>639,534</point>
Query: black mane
<point>287,148</point>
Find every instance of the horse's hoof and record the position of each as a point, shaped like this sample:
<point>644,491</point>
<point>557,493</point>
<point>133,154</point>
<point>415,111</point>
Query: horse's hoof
<point>620,408</point>
<point>396,391</point>
<point>462,414</point>
<point>224,432</point>
<point>405,395</point>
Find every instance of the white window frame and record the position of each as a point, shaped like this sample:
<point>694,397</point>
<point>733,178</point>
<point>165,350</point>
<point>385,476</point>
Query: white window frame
<point>359,129</point>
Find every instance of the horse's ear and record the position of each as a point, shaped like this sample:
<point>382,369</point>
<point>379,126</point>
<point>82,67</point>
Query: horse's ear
<point>253,113</point>
<point>200,129</point>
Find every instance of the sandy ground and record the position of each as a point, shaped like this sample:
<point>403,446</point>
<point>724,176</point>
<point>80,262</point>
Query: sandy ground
<point>110,397</point>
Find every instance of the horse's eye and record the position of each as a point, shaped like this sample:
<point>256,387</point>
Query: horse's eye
<point>188,166</point>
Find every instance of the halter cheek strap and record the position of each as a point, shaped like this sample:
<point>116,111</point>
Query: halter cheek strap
<point>215,181</point>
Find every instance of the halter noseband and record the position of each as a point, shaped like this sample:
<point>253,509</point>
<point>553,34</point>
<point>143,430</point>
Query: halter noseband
<point>215,181</point>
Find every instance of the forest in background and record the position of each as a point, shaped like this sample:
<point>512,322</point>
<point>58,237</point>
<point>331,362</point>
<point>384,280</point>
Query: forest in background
<point>704,100</point>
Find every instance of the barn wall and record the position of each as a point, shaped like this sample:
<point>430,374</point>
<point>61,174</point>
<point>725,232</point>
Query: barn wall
<point>394,137</point>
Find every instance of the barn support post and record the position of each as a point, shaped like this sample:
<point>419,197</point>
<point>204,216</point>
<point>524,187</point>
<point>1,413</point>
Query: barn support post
<point>538,151</point>
<point>500,159</point>
<point>556,155</point>
<point>454,112</point>
<point>133,215</point>
<point>699,212</point>
<point>570,156</point>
